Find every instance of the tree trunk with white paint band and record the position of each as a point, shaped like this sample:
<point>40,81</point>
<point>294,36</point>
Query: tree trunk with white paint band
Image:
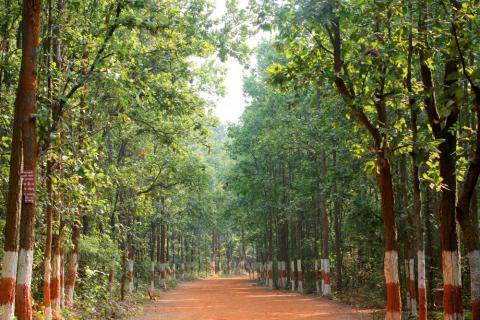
<point>62,277</point>
<point>47,266</point>
<point>279,279</point>
<point>407,285</point>
<point>270,274</point>
<point>23,295</point>
<point>163,282</point>
<point>72,266</point>
<point>300,276</point>
<point>385,184</point>
<point>422,291</point>
<point>7,285</point>
<point>327,288</point>
<point>26,99</point>
<point>292,275</point>
<point>474,263</point>
<point>452,285</point>
<point>318,277</point>
<point>55,280</point>
<point>152,275</point>
<point>71,278</point>
<point>413,299</point>
<point>284,274</point>
<point>130,263</point>
<point>393,286</point>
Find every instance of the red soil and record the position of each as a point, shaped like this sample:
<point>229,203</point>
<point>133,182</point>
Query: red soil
<point>241,299</point>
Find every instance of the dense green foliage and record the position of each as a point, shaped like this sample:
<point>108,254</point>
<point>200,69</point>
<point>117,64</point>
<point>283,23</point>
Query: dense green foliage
<point>361,139</point>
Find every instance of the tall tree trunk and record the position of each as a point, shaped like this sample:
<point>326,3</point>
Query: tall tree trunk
<point>337,210</point>
<point>49,184</point>
<point>409,238</point>
<point>325,262</point>
<point>48,242</point>
<point>384,179</point>
<point>384,175</point>
<point>163,255</point>
<point>26,99</point>
<point>417,200</point>
<point>152,256</point>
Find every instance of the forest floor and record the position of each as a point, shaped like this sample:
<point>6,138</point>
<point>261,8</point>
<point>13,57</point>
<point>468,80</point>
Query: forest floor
<point>240,299</point>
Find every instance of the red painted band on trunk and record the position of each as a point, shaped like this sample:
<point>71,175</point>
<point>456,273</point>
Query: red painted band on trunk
<point>7,293</point>
<point>476,309</point>
<point>23,302</point>
<point>130,276</point>
<point>319,275</point>
<point>54,288</point>
<point>292,276</point>
<point>269,274</point>
<point>394,302</point>
<point>452,299</point>
<point>46,294</point>
<point>300,276</point>
<point>422,304</point>
<point>326,277</point>
<point>413,287</point>
<point>71,279</point>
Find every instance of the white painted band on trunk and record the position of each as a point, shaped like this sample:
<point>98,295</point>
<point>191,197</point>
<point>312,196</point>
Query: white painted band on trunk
<point>9,263</point>
<point>451,274</point>
<point>326,265</point>
<point>327,289</point>
<point>299,265</point>
<point>474,262</point>
<point>48,313</point>
<point>421,269</point>
<point>69,295</point>
<point>414,307</point>
<point>130,265</point>
<point>25,262</point>
<point>390,266</point>
<point>411,267</point>
<point>7,311</point>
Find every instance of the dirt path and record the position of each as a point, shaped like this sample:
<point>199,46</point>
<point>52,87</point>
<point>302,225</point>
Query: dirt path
<point>241,299</point>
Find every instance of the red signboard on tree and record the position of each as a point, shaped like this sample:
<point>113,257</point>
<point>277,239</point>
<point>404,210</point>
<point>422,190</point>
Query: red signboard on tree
<point>28,186</point>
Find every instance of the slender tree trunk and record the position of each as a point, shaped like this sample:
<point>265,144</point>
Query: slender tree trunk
<point>417,200</point>
<point>26,99</point>
<point>49,184</point>
<point>325,262</point>
<point>48,243</point>
<point>72,266</point>
<point>56,265</point>
<point>163,254</point>
<point>152,257</point>
<point>337,228</point>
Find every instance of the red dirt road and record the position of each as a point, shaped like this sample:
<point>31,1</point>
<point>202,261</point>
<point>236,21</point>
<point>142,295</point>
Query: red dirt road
<point>241,299</point>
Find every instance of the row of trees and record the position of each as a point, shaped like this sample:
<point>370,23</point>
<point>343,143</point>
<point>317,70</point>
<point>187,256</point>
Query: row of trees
<point>106,147</point>
<point>406,73</point>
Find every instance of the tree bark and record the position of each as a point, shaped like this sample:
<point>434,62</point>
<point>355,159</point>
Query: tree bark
<point>26,99</point>
<point>72,266</point>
